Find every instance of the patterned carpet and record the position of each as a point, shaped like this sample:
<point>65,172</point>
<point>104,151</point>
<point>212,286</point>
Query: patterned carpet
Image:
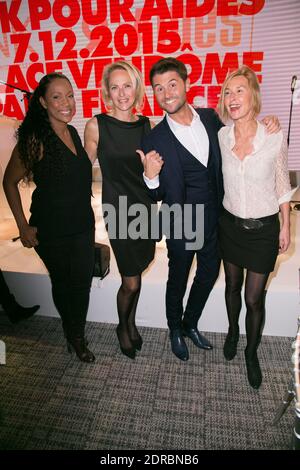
<point>50,400</point>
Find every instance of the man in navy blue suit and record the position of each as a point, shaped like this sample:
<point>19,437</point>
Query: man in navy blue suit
<point>188,173</point>
<point>185,169</point>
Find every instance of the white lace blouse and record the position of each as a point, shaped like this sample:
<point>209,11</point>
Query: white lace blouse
<point>255,186</point>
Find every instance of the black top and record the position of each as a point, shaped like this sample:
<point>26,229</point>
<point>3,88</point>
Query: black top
<point>121,167</point>
<point>61,204</point>
<point>122,173</point>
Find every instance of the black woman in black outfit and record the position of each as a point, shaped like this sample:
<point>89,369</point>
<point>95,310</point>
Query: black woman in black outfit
<point>61,227</point>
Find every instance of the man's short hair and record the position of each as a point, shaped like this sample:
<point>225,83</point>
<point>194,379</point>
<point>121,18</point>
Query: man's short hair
<point>166,65</point>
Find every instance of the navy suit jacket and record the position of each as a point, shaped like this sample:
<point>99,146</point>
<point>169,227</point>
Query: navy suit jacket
<point>171,179</point>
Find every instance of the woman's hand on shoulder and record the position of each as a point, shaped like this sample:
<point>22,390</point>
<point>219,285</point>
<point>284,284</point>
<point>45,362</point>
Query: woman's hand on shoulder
<point>271,124</point>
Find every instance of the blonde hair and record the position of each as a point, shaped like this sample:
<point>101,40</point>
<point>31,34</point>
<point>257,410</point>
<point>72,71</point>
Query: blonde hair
<point>135,77</point>
<point>243,71</point>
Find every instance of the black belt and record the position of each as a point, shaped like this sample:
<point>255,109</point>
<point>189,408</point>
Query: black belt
<point>251,224</point>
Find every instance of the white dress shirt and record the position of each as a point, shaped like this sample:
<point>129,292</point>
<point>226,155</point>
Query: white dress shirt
<point>193,137</point>
<point>257,185</point>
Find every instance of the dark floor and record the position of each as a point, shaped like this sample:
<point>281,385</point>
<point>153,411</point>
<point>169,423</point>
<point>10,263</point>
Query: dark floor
<point>50,400</point>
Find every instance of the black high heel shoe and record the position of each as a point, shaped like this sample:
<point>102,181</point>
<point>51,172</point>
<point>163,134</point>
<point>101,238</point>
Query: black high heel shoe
<point>230,346</point>
<point>79,345</point>
<point>253,371</point>
<point>137,343</point>
<point>129,352</point>
<point>136,339</point>
<point>17,313</point>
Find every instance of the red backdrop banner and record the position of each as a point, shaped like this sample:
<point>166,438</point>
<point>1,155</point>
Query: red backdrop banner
<point>212,37</point>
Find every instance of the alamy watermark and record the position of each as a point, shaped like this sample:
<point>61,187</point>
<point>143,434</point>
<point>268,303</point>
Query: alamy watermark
<point>137,221</point>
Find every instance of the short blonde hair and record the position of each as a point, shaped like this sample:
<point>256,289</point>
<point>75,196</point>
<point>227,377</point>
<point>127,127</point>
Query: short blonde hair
<point>243,71</point>
<point>135,77</point>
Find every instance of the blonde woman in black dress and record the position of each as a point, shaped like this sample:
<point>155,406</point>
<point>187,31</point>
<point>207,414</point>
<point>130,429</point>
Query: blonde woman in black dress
<point>257,187</point>
<point>114,138</point>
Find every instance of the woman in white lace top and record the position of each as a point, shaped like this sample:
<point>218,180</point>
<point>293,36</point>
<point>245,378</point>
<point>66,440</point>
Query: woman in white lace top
<point>257,187</point>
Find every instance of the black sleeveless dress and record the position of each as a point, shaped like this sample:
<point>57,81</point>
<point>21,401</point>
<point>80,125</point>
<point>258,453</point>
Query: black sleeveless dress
<point>123,186</point>
<point>61,206</point>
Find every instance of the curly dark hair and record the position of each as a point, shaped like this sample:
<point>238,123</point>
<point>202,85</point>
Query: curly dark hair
<point>36,133</point>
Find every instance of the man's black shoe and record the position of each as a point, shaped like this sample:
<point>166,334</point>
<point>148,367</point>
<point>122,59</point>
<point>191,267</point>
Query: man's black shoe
<point>178,345</point>
<point>199,340</point>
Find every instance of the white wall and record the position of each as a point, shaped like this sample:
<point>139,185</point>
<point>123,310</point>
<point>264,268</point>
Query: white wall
<point>282,302</point>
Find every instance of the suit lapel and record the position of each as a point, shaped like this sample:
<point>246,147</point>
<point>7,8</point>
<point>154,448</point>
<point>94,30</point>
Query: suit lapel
<point>171,172</point>
<point>208,127</point>
<point>169,140</point>
<point>212,136</point>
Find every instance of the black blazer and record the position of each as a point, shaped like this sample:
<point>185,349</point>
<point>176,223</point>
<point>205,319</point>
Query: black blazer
<point>171,180</point>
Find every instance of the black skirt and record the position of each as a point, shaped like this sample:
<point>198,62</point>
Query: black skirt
<point>254,248</point>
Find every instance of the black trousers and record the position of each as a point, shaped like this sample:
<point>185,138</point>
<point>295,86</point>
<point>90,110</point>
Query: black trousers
<point>180,261</point>
<point>70,263</point>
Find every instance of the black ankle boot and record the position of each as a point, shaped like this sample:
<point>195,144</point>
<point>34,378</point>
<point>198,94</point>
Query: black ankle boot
<point>16,312</point>
<point>79,345</point>
<point>253,370</point>
<point>230,345</point>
